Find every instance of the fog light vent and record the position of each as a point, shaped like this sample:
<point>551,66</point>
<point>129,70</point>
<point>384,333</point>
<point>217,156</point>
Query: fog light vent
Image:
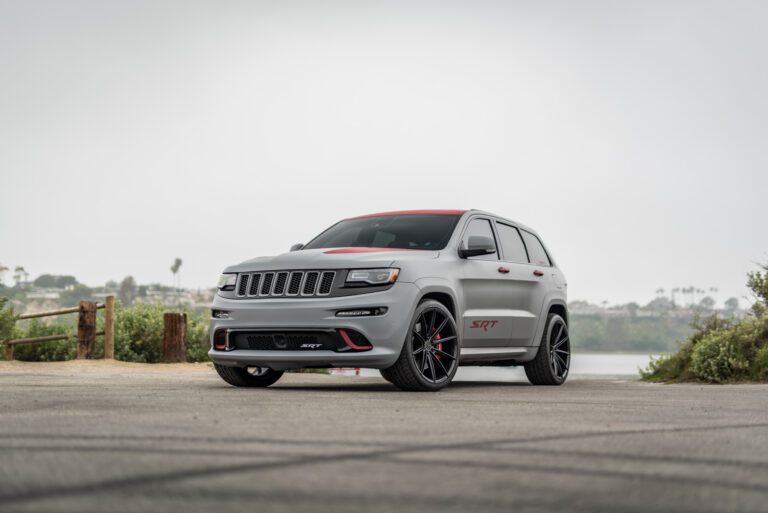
<point>362,312</point>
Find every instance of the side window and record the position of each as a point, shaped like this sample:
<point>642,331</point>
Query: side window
<point>511,244</point>
<point>535,249</point>
<point>480,227</point>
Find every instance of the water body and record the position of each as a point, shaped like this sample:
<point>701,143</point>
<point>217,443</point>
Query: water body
<point>583,366</point>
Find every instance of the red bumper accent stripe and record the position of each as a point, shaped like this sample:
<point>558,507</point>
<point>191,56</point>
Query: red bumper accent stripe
<point>349,342</point>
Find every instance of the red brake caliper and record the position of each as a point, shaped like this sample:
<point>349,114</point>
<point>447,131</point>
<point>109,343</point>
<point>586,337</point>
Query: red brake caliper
<point>439,346</point>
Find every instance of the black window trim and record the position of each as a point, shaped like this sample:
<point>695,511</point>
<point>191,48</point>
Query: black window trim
<point>493,232</point>
<point>551,262</point>
<point>525,247</point>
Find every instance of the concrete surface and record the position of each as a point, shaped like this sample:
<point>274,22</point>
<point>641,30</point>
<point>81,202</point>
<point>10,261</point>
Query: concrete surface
<point>95,437</point>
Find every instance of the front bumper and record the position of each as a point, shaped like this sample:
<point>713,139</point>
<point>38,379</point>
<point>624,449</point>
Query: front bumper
<point>386,332</point>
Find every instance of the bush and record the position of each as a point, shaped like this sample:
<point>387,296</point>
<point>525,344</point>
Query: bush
<point>139,334</point>
<point>52,351</point>
<point>722,350</point>
<point>7,320</point>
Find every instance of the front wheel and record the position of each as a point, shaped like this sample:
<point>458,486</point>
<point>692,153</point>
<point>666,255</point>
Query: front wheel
<point>550,367</point>
<point>248,376</point>
<point>430,354</point>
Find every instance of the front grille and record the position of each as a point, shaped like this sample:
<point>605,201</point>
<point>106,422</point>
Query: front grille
<point>310,283</point>
<point>266,285</point>
<point>295,283</point>
<point>243,285</point>
<point>325,283</point>
<point>255,279</point>
<point>285,283</point>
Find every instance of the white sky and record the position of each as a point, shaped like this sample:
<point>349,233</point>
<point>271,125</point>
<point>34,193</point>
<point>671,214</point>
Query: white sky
<point>631,135</point>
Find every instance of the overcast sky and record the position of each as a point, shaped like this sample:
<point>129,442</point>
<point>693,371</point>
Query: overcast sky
<point>631,135</point>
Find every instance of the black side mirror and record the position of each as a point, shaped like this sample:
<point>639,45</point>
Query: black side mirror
<point>297,247</point>
<point>478,245</point>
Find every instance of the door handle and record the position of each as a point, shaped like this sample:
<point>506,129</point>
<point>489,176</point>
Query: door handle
<point>504,270</point>
<point>538,273</point>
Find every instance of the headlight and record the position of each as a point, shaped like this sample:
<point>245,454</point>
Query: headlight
<point>227,281</point>
<point>373,276</point>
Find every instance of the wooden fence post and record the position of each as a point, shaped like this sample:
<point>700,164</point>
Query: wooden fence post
<point>109,327</point>
<point>174,337</point>
<point>86,330</point>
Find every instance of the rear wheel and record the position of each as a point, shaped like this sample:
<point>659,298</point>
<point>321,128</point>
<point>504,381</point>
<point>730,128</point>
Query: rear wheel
<point>430,354</point>
<point>248,376</point>
<point>550,367</point>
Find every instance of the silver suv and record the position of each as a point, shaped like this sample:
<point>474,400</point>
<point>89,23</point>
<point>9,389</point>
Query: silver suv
<point>414,294</point>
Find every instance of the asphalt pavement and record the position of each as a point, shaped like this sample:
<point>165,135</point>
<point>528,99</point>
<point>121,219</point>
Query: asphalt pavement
<point>100,436</point>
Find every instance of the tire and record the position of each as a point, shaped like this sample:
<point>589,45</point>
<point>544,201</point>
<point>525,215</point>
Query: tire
<point>248,376</point>
<point>430,354</point>
<point>387,374</point>
<point>553,360</point>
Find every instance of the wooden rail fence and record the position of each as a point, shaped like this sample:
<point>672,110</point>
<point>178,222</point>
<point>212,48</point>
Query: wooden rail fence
<point>174,331</point>
<point>86,329</point>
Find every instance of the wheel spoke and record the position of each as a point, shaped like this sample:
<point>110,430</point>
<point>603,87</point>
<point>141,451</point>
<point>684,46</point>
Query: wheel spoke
<point>554,365</point>
<point>443,353</point>
<point>441,365</point>
<point>431,367</point>
<point>440,328</point>
<point>560,332</point>
<point>418,335</point>
<point>561,342</point>
<point>418,350</point>
<point>425,325</point>
<point>444,340</point>
<point>562,361</point>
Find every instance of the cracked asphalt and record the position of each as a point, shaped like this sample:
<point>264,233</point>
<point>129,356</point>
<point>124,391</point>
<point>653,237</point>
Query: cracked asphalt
<point>111,436</point>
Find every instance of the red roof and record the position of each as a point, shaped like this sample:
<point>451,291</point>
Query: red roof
<point>413,212</point>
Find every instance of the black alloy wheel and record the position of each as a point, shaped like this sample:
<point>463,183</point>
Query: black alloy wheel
<point>430,354</point>
<point>553,360</point>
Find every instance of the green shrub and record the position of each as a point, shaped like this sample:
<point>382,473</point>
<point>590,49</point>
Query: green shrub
<point>52,351</point>
<point>7,320</point>
<point>722,350</point>
<point>198,342</point>
<point>760,364</point>
<point>724,354</point>
<point>139,334</point>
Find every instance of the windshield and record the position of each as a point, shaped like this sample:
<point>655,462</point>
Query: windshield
<point>413,231</point>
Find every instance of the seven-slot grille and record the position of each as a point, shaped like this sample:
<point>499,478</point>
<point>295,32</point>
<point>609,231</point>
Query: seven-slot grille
<point>285,283</point>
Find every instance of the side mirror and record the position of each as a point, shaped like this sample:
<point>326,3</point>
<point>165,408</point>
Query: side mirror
<point>297,247</point>
<point>478,245</point>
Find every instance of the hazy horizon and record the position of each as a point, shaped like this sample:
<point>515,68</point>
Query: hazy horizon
<point>631,136</point>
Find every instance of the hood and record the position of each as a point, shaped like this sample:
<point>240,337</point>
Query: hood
<point>332,258</point>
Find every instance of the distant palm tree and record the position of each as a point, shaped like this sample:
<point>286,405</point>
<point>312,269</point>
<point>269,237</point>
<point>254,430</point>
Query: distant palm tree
<point>175,270</point>
<point>19,273</point>
<point>3,269</point>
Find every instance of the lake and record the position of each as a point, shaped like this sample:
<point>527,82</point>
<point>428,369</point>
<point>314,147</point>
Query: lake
<point>583,366</point>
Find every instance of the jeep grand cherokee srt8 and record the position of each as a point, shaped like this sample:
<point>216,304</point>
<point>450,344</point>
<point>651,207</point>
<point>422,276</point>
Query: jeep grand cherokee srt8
<point>414,294</point>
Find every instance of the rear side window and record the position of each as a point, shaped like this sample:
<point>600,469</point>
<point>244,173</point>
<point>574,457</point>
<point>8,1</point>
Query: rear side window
<point>535,249</point>
<point>480,227</point>
<point>511,244</point>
